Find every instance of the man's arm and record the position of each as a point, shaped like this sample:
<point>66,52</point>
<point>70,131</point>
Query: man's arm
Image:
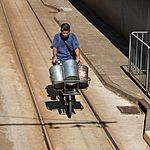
<point>54,48</point>
<point>76,47</point>
<point>54,57</point>
<point>77,51</point>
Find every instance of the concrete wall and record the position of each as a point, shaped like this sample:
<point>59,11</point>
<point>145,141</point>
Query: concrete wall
<point>124,16</point>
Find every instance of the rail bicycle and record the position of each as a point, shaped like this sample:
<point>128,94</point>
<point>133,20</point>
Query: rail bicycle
<point>68,78</point>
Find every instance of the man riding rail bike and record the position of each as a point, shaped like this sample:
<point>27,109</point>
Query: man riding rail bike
<point>66,74</point>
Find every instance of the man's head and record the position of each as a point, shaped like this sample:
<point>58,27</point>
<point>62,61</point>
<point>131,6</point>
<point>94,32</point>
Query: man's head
<point>65,30</point>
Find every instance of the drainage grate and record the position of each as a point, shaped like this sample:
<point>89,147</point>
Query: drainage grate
<point>129,109</point>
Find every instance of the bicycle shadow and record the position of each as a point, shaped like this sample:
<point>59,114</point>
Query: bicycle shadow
<point>59,104</point>
<point>51,92</point>
<point>62,108</point>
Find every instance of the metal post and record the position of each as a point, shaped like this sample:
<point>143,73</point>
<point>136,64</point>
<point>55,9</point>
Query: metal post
<point>141,59</point>
<point>147,78</point>
<point>129,62</point>
<point>141,52</point>
<point>136,52</point>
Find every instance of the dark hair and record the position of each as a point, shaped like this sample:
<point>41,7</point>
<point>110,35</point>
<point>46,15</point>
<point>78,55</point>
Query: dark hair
<point>65,27</point>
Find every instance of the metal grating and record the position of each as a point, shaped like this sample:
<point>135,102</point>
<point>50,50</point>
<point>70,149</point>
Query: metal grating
<point>129,109</point>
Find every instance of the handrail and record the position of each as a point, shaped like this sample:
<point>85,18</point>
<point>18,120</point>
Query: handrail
<point>141,40</point>
<point>139,58</point>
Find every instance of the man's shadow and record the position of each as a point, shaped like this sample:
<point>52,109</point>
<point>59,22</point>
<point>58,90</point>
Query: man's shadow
<point>57,103</point>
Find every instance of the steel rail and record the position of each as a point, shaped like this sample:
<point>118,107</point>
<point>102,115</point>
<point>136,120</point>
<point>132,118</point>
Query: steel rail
<point>39,21</point>
<point>100,122</point>
<point>42,124</point>
<point>110,138</point>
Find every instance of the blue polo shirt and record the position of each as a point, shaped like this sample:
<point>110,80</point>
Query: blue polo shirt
<point>62,50</point>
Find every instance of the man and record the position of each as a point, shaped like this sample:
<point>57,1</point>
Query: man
<point>65,45</point>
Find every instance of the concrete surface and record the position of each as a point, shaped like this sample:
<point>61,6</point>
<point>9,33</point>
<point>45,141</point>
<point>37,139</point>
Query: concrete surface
<point>105,59</point>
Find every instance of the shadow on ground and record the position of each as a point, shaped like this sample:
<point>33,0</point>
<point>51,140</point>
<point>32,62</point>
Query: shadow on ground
<point>62,107</point>
<point>57,103</point>
<point>75,124</point>
<point>51,92</point>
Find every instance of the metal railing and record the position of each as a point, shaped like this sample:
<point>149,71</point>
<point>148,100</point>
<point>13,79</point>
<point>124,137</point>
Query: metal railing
<point>139,58</point>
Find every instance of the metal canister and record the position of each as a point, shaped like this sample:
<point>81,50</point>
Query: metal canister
<point>83,76</point>
<point>70,69</point>
<point>56,76</point>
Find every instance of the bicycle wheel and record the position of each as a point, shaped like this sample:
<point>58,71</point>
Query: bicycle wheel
<point>69,109</point>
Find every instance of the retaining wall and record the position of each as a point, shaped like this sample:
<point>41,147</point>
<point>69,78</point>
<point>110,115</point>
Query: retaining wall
<point>124,16</point>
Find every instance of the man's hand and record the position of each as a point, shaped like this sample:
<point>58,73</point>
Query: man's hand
<point>54,59</point>
<point>79,61</point>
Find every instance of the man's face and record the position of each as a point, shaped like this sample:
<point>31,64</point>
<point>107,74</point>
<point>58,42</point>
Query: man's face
<point>65,34</point>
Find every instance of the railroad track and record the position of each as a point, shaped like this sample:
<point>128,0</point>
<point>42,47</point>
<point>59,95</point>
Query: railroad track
<point>43,128</point>
<point>46,137</point>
